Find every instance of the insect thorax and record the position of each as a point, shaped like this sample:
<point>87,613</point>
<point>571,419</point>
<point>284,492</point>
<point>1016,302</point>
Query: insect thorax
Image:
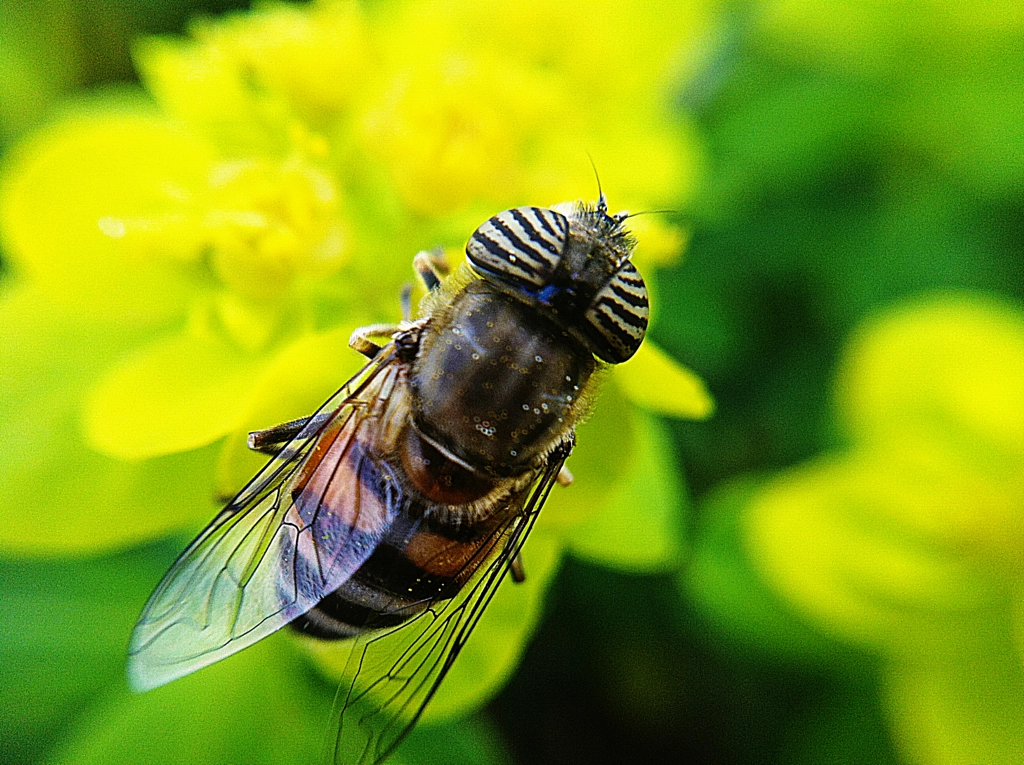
<point>495,382</point>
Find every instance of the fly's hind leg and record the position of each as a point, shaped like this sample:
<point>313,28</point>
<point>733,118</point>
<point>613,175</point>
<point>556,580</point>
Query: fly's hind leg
<point>515,563</point>
<point>564,477</point>
<point>270,440</point>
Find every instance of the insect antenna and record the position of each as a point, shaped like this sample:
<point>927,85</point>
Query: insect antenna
<point>602,202</point>
<point>627,215</point>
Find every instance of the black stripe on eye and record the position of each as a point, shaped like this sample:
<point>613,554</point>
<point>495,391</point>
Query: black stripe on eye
<point>531,230</point>
<point>629,317</point>
<point>546,216</point>
<point>613,332</point>
<point>631,277</point>
<point>522,248</point>
<point>502,256</point>
<point>635,300</point>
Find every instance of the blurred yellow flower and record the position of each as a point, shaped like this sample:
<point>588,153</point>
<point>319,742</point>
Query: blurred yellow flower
<point>910,540</point>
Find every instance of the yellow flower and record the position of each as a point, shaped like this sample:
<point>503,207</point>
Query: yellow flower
<point>909,541</point>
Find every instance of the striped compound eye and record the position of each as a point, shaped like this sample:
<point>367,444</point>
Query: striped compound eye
<point>521,246</point>
<point>617,319</point>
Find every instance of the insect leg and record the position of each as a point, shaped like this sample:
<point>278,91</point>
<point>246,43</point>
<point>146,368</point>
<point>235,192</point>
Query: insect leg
<point>270,440</point>
<point>406,301</point>
<point>564,477</point>
<point>515,563</point>
<point>432,266</point>
<point>360,339</point>
<point>515,568</point>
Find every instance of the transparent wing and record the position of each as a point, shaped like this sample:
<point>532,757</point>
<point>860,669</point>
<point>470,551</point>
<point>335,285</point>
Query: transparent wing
<point>393,674</point>
<point>294,534</point>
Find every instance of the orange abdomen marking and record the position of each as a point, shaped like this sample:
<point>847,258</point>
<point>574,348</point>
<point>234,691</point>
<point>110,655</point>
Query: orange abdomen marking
<point>437,477</point>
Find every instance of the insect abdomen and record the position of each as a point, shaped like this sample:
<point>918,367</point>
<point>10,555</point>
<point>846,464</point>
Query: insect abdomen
<point>416,564</point>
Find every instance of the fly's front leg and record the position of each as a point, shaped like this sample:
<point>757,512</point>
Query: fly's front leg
<point>360,339</point>
<point>406,301</point>
<point>432,266</point>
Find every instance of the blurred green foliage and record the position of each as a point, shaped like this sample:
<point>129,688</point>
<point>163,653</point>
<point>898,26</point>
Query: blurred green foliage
<point>53,48</point>
<point>846,587</point>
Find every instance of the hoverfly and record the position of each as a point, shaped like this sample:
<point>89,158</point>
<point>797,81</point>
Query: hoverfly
<point>406,497</point>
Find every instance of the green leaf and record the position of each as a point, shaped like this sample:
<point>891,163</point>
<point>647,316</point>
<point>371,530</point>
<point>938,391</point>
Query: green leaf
<point>960,701</point>
<point>601,460</point>
<point>252,708</point>
<point>639,526</point>
<point>726,587</point>
<point>968,119</point>
<point>61,498</point>
<point>66,629</point>
<point>848,727</point>
<point>472,741</point>
<point>777,128</point>
<point>1018,618</point>
<point>34,62</point>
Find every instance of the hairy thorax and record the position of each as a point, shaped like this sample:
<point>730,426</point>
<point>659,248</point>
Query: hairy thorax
<point>495,383</point>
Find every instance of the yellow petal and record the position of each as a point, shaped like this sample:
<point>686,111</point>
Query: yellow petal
<point>92,504</point>
<point>178,394</point>
<point>94,209</point>
<point>823,537</point>
<point>654,381</point>
<point>933,489</point>
<point>951,362</point>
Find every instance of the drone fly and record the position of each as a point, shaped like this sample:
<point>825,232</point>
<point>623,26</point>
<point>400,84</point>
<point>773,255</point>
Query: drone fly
<point>405,499</point>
